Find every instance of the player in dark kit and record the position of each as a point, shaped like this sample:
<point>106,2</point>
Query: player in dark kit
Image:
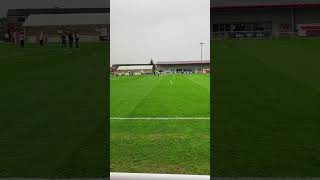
<point>63,40</point>
<point>70,37</point>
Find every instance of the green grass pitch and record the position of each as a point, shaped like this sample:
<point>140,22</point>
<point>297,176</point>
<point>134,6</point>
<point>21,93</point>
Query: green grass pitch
<point>266,99</point>
<point>174,146</point>
<point>53,111</point>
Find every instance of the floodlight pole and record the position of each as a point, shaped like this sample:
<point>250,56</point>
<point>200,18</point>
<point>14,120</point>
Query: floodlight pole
<point>201,44</point>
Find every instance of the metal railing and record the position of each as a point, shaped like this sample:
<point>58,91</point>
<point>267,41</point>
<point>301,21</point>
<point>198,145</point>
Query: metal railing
<point>251,34</point>
<point>241,34</point>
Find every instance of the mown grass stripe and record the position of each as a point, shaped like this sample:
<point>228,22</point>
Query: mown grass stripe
<point>159,118</point>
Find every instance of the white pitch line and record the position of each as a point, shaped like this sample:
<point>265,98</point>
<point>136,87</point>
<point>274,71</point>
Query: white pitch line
<point>145,176</point>
<point>159,118</point>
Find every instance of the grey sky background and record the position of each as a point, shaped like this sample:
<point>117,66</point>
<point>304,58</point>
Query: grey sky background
<point>165,30</point>
<point>16,4</point>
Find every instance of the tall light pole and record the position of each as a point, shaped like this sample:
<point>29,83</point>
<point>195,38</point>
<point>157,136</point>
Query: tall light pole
<point>201,44</point>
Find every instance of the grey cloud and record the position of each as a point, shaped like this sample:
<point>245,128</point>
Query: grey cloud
<point>159,29</point>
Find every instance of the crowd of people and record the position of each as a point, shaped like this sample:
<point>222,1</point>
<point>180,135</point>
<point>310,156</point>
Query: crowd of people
<point>18,38</point>
<point>72,38</point>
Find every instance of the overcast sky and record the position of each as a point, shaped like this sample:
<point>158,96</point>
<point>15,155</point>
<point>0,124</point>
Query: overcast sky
<point>16,4</point>
<point>165,30</point>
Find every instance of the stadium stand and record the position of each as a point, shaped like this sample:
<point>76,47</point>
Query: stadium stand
<point>182,67</point>
<point>91,27</point>
<point>264,18</point>
<point>2,29</point>
<point>16,18</point>
<point>135,70</point>
<point>165,67</point>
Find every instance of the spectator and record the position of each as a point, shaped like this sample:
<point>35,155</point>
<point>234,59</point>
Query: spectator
<point>13,37</point>
<point>17,38</point>
<point>76,37</point>
<point>41,38</point>
<point>45,39</point>
<point>22,36</point>
<point>63,40</point>
<point>70,37</point>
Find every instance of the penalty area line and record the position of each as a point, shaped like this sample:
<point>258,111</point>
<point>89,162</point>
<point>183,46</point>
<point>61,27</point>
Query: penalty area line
<point>159,118</point>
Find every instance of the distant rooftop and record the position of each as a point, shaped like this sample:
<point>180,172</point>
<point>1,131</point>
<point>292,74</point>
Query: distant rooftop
<point>263,3</point>
<point>116,65</point>
<point>27,12</point>
<point>145,67</point>
<point>167,63</point>
<point>182,62</point>
<point>67,19</point>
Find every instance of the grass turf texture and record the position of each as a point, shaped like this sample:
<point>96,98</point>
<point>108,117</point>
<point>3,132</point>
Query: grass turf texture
<point>160,146</point>
<point>52,111</point>
<point>266,103</point>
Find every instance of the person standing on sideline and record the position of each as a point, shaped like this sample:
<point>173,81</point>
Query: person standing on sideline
<point>22,36</point>
<point>17,39</point>
<point>13,39</point>
<point>63,40</point>
<point>76,37</point>
<point>41,38</point>
<point>70,37</point>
